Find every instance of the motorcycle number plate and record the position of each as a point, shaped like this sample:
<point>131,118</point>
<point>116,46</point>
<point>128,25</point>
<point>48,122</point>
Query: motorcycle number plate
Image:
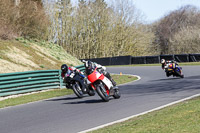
<point>72,75</point>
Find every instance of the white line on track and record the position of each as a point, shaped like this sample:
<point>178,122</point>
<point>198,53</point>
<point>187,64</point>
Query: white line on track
<point>127,118</point>
<point>138,78</point>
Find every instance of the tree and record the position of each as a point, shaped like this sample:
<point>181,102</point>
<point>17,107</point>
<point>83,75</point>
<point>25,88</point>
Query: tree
<point>173,23</point>
<point>94,29</point>
<point>24,18</point>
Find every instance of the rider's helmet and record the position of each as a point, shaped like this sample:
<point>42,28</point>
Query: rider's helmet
<point>162,61</point>
<point>88,64</point>
<point>89,67</point>
<point>64,68</point>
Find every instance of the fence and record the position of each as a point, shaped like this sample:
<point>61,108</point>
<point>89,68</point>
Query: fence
<point>23,82</point>
<point>127,60</point>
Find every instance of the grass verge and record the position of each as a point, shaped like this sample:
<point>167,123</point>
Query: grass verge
<point>120,79</point>
<point>158,64</point>
<point>180,118</point>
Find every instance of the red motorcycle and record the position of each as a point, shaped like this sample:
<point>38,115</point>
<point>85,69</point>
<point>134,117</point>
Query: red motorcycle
<point>103,85</point>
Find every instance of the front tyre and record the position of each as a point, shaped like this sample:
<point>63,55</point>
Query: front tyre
<point>182,76</point>
<point>117,94</point>
<point>178,72</point>
<point>101,90</point>
<point>77,90</point>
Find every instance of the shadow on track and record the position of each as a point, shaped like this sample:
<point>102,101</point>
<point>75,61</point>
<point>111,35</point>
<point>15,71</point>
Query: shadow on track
<point>167,79</point>
<point>63,99</point>
<point>93,101</point>
<point>76,100</point>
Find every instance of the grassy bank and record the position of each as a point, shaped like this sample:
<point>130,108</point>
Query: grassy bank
<point>120,79</point>
<point>180,118</point>
<point>27,55</point>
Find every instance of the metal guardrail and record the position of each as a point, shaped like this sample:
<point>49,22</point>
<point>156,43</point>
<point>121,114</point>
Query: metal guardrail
<point>127,60</point>
<point>80,67</point>
<point>29,81</point>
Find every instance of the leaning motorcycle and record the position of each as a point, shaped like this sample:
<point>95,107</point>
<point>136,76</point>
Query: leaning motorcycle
<point>175,70</point>
<point>103,85</point>
<point>77,83</point>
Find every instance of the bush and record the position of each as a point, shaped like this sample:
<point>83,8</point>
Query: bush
<point>28,19</point>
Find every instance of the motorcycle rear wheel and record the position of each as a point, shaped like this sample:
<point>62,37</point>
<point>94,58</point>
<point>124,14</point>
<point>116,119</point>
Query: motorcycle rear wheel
<point>91,91</point>
<point>77,90</point>
<point>101,90</point>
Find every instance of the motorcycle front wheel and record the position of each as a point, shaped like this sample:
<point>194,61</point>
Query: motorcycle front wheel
<point>117,94</point>
<point>101,90</point>
<point>179,73</point>
<point>77,90</point>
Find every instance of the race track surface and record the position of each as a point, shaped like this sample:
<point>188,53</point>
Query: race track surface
<point>68,114</point>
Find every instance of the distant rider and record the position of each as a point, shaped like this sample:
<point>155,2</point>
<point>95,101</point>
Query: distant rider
<point>165,64</point>
<point>90,66</point>
<point>66,71</point>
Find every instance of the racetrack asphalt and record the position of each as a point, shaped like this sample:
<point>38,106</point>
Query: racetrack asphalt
<point>68,114</point>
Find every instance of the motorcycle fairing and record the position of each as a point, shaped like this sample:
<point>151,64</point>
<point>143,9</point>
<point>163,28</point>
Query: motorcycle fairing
<point>77,78</point>
<point>107,82</point>
<point>172,66</point>
<point>94,76</point>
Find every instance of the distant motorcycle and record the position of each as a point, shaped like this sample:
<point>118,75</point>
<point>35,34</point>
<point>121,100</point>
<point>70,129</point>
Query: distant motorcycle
<point>175,70</point>
<point>77,83</point>
<point>103,85</point>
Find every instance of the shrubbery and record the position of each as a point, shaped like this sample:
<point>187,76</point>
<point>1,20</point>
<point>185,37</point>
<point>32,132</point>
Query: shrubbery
<point>28,19</point>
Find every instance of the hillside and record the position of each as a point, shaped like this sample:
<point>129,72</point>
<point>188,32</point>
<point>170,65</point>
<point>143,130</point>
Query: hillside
<point>25,55</point>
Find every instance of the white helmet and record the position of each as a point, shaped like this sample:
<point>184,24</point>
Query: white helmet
<point>162,61</point>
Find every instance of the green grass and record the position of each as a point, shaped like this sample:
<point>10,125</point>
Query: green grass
<point>55,50</point>
<point>120,79</point>
<point>190,64</point>
<point>181,64</point>
<point>41,55</point>
<point>54,93</point>
<point>180,118</point>
<point>34,97</point>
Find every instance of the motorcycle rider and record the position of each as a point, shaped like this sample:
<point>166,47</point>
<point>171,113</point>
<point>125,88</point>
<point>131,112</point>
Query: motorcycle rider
<point>165,64</point>
<point>66,71</point>
<point>90,66</point>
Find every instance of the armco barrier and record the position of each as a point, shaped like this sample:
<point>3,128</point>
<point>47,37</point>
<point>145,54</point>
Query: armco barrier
<point>22,82</point>
<point>81,67</point>
<point>117,60</point>
<point>126,60</point>
<point>120,60</point>
<point>194,57</point>
<point>138,60</point>
<point>103,61</point>
<point>167,57</point>
<point>29,81</point>
<point>152,59</point>
<point>181,58</point>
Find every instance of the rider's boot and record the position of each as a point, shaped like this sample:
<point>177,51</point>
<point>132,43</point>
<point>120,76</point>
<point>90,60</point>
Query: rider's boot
<point>113,82</point>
